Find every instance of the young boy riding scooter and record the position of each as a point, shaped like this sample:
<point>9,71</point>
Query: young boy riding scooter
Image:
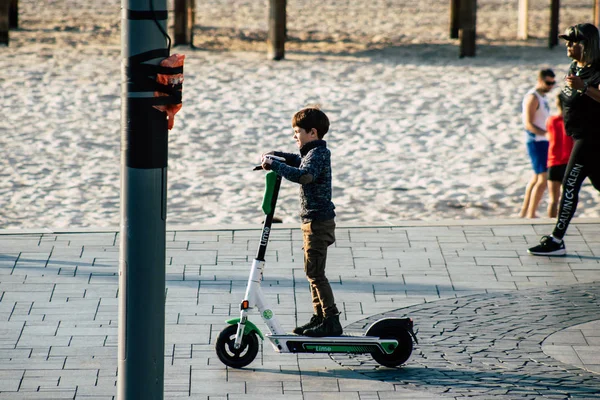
<point>312,170</point>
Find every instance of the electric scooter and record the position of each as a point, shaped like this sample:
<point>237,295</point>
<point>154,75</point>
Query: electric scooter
<point>388,340</point>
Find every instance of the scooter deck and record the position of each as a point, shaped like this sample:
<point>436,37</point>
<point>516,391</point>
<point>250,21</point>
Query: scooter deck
<point>332,344</point>
<point>309,338</point>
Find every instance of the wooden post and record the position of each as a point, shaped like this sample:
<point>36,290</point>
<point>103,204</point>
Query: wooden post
<point>277,29</point>
<point>596,12</point>
<point>523,32</point>
<point>454,18</point>
<point>554,11</point>
<point>4,24</point>
<point>13,14</point>
<point>185,13</point>
<point>468,27</point>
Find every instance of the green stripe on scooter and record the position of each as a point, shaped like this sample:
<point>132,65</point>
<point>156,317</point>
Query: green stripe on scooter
<point>249,327</point>
<point>340,348</point>
<point>387,347</point>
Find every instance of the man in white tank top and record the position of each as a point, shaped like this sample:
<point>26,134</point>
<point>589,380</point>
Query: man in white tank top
<point>536,111</point>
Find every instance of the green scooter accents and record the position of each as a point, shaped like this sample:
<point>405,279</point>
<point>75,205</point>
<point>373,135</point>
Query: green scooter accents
<point>248,327</point>
<point>267,204</point>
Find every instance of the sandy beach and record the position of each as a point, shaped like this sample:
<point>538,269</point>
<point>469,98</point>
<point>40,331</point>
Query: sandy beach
<point>416,133</point>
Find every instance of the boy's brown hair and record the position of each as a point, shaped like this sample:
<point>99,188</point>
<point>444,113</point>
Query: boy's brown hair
<point>311,117</point>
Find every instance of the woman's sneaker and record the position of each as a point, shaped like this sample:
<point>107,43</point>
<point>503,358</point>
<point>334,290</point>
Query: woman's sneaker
<point>548,247</point>
<point>316,320</point>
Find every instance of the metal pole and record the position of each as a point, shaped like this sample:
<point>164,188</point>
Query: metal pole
<point>143,206</point>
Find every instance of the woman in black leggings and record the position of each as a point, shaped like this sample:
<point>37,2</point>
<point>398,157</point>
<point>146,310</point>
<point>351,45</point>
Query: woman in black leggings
<point>581,111</point>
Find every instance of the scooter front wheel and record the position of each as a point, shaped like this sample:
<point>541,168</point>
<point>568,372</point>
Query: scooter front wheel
<point>229,355</point>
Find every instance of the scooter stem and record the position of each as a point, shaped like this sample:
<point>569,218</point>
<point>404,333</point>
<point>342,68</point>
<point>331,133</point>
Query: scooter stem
<point>254,295</point>
<point>273,182</point>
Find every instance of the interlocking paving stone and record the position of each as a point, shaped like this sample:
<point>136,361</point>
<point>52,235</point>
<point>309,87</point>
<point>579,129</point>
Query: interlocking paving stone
<point>58,307</point>
<point>491,345</point>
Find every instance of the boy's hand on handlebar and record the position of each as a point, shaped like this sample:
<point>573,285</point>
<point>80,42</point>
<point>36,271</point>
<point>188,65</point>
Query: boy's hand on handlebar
<point>266,162</point>
<point>267,159</point>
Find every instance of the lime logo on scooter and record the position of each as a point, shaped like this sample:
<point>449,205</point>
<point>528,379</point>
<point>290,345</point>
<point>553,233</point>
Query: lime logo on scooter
<point>267,314</point>
<point>339,348</point>
<point>265,236</point>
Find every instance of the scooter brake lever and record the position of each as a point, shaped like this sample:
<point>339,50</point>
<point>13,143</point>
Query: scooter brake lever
<point>277,158</point>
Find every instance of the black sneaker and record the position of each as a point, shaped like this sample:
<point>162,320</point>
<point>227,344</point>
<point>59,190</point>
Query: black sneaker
<point>314,321</point>
<point>548,247</point>
<point>329,327</point>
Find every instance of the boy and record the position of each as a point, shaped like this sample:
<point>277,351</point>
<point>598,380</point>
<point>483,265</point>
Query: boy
<point>312,170</point>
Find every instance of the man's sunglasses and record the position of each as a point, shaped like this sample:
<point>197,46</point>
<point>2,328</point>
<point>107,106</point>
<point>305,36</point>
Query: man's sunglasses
<point>550,83</point>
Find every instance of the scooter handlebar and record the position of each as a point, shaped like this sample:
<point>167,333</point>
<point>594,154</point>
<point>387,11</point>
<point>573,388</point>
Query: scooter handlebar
<point>272,157</point>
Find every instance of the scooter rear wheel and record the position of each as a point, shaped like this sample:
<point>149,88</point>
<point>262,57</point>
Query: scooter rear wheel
<point>401,353</point>
<point>229,355</point>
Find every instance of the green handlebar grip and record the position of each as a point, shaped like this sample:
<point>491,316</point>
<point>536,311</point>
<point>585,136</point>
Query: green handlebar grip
<point>271,177</point>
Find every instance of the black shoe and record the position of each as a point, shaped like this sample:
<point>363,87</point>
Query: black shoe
<point>314,321</point>
<point>548,247</point>
<point>329,327</point>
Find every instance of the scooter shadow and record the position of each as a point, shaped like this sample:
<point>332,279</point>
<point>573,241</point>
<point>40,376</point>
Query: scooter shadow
<point>379,374</point>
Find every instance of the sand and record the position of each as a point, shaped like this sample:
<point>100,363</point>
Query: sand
<point>416,133</point>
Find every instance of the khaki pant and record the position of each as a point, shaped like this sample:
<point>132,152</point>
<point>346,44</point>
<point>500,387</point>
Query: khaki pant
<point>318,236</point>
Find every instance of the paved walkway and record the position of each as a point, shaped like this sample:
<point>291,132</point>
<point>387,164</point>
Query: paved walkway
<point>493,321</point>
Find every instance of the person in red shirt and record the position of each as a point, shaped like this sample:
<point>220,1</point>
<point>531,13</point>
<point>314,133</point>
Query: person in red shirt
<point>559,151</point>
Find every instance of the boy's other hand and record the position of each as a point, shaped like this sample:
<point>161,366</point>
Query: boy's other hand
<point>263,155</point>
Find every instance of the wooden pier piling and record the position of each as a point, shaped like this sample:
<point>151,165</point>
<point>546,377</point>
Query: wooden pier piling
<point>468,31</point>
<point>454,18</point>
<point>277,29</point>
<point>185,13</point>
<point>523,18</point>
<point>554,19</point>
<point>4,21</point>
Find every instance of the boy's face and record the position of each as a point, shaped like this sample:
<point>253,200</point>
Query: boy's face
<point>302,137</point>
